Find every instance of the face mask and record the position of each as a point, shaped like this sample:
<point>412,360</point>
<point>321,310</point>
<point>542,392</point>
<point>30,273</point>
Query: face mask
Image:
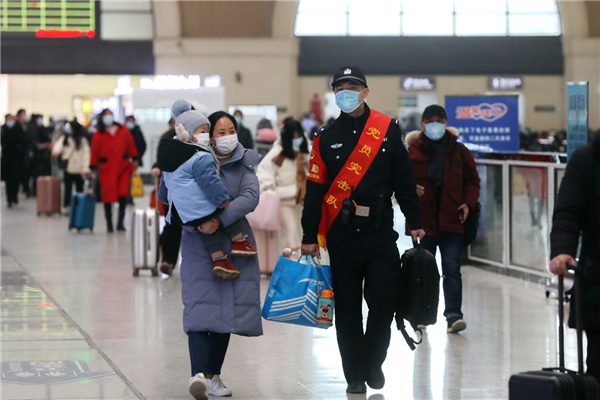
<point>108,119</point>
<point>202,138</point>
<point>347,100</point>
<point>130,125</point>
<point>297,142</point>
<point>10,124</point>
<point>67,129</point>
<point>226,144</point>
<point>238,120</point>
<point>435,130</point>
<point>40,121</point>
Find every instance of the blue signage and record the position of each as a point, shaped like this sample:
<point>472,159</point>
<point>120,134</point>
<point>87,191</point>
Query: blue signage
<point>485,123</point>
<point>577,116</point>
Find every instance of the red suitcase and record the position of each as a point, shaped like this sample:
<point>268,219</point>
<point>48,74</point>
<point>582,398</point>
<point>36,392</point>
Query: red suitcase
<point>48,195</point>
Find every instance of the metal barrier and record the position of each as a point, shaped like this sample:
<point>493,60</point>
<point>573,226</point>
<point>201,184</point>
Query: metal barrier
<point>517,201</point>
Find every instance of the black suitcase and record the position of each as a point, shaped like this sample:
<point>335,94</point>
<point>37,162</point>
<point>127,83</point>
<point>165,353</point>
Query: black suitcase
<point>419,291</point>
<point>558,383</point>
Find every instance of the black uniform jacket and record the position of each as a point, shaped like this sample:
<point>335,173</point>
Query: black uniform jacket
<point>390,173</point>
<point>577,212</point>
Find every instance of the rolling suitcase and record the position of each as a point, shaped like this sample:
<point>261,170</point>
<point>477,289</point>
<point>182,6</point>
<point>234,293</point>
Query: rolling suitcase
<point>558,383</point>
<point>267,245</point>
<point>145,240</point>
<point>48,195</point>
<point>83,211</point>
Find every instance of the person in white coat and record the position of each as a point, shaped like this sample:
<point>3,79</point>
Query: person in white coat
<point>73,151</point>
<point>284,170</point>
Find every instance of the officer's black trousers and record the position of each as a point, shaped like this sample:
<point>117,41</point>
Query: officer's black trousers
<point>371,259</point>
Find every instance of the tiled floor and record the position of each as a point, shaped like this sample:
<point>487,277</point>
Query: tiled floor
<point>77,325</point>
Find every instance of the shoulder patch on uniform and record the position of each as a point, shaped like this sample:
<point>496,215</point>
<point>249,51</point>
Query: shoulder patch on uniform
<point>404,142</point>
<point>324,129</point>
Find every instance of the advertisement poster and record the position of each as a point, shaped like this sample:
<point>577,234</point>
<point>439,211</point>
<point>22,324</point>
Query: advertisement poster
<point>485,123</point>
<point>577,116</point>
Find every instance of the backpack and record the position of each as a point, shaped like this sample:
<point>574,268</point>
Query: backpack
<point>419,292</point>
<point>472,222</point>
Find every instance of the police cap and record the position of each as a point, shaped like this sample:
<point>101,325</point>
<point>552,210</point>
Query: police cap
<point>349,73</point>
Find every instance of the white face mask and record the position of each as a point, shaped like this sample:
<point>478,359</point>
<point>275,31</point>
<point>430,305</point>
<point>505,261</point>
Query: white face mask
<point>202,138</point>
<point>226,144</point>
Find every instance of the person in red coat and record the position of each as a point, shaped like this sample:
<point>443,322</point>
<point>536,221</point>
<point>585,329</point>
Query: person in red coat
<point>448,189</point>
<point>114,155</point>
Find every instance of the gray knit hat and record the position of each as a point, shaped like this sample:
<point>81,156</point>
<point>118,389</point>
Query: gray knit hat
<point>190,119</point>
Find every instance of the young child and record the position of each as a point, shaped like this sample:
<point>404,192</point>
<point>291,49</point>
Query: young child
<point>195,191</point>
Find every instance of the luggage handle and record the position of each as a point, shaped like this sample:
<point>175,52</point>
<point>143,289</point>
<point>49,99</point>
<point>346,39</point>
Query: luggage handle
<point>156,189</point>
<point>577,271</point>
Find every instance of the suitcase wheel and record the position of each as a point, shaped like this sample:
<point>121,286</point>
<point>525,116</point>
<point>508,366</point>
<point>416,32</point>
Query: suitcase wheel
<point>547,293</point>
<point>78,230</point>
<point>154,271</point>
<point>136,272</point>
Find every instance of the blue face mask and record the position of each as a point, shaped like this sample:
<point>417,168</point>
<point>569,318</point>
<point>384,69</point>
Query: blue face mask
<point>297,142</point>
<point>130,125</point>
<point>10,124</point>
<point>238,120</point>
<point>347,100</point>
<point>108,119</point>
<point>435,130</point>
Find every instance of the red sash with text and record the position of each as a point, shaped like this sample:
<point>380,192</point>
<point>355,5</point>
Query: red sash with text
<point>352,173</point>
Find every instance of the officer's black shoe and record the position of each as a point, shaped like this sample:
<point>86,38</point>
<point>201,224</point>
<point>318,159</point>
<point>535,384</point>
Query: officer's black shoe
<point>376,379</point>
<point>356,387</point>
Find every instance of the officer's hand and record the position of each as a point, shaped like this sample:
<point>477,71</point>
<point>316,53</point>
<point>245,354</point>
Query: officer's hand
<point>155,172</point>
<point>558,265</point>
<point>311,250</point>
<point>463,213</point>
<point>419,233</point>
<point>420,190</point>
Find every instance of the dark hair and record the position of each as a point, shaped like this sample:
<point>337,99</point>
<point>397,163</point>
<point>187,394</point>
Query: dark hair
<point>290,127</point>
<point>100,124</point>
<point>77,133</point>
<point>129,116</point>
<point>170,119</point>
<point>217,115</point>
<point>21,111</point>
<point>238,111</point>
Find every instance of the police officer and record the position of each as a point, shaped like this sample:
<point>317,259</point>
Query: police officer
<point>357,163</point>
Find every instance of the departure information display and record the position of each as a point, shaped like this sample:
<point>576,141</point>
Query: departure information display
<point>49,18</point>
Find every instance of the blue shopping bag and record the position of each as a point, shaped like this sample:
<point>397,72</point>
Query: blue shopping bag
<point>294,291</point>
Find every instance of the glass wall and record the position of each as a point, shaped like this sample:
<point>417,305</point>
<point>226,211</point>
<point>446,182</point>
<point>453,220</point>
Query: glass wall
<point>489,242</point>
<point>529,217</point>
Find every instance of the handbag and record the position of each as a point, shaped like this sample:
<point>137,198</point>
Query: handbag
<point>137,185</point>
<point>471,224</point>
<point>267,215</point>
<point>294,291</point>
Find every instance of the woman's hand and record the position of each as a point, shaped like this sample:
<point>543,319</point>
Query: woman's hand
<point>155,172</point>
<point>209,227</point>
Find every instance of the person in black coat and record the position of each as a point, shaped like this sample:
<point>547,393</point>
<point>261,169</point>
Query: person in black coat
<point>244,135</point>
<point>14,148</point>
<point>138,137</point>
<point>170,239</point>
<point>578,210</point>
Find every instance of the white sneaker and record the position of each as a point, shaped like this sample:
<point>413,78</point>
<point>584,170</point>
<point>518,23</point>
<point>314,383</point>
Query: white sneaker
<point>198,386</point>
<point>217,388</point>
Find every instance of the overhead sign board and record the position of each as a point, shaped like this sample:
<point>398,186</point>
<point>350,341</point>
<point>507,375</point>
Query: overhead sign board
<point>505,82</point>
<point>487,123</point>
<point>577,116</point>
<point>417,83</point>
